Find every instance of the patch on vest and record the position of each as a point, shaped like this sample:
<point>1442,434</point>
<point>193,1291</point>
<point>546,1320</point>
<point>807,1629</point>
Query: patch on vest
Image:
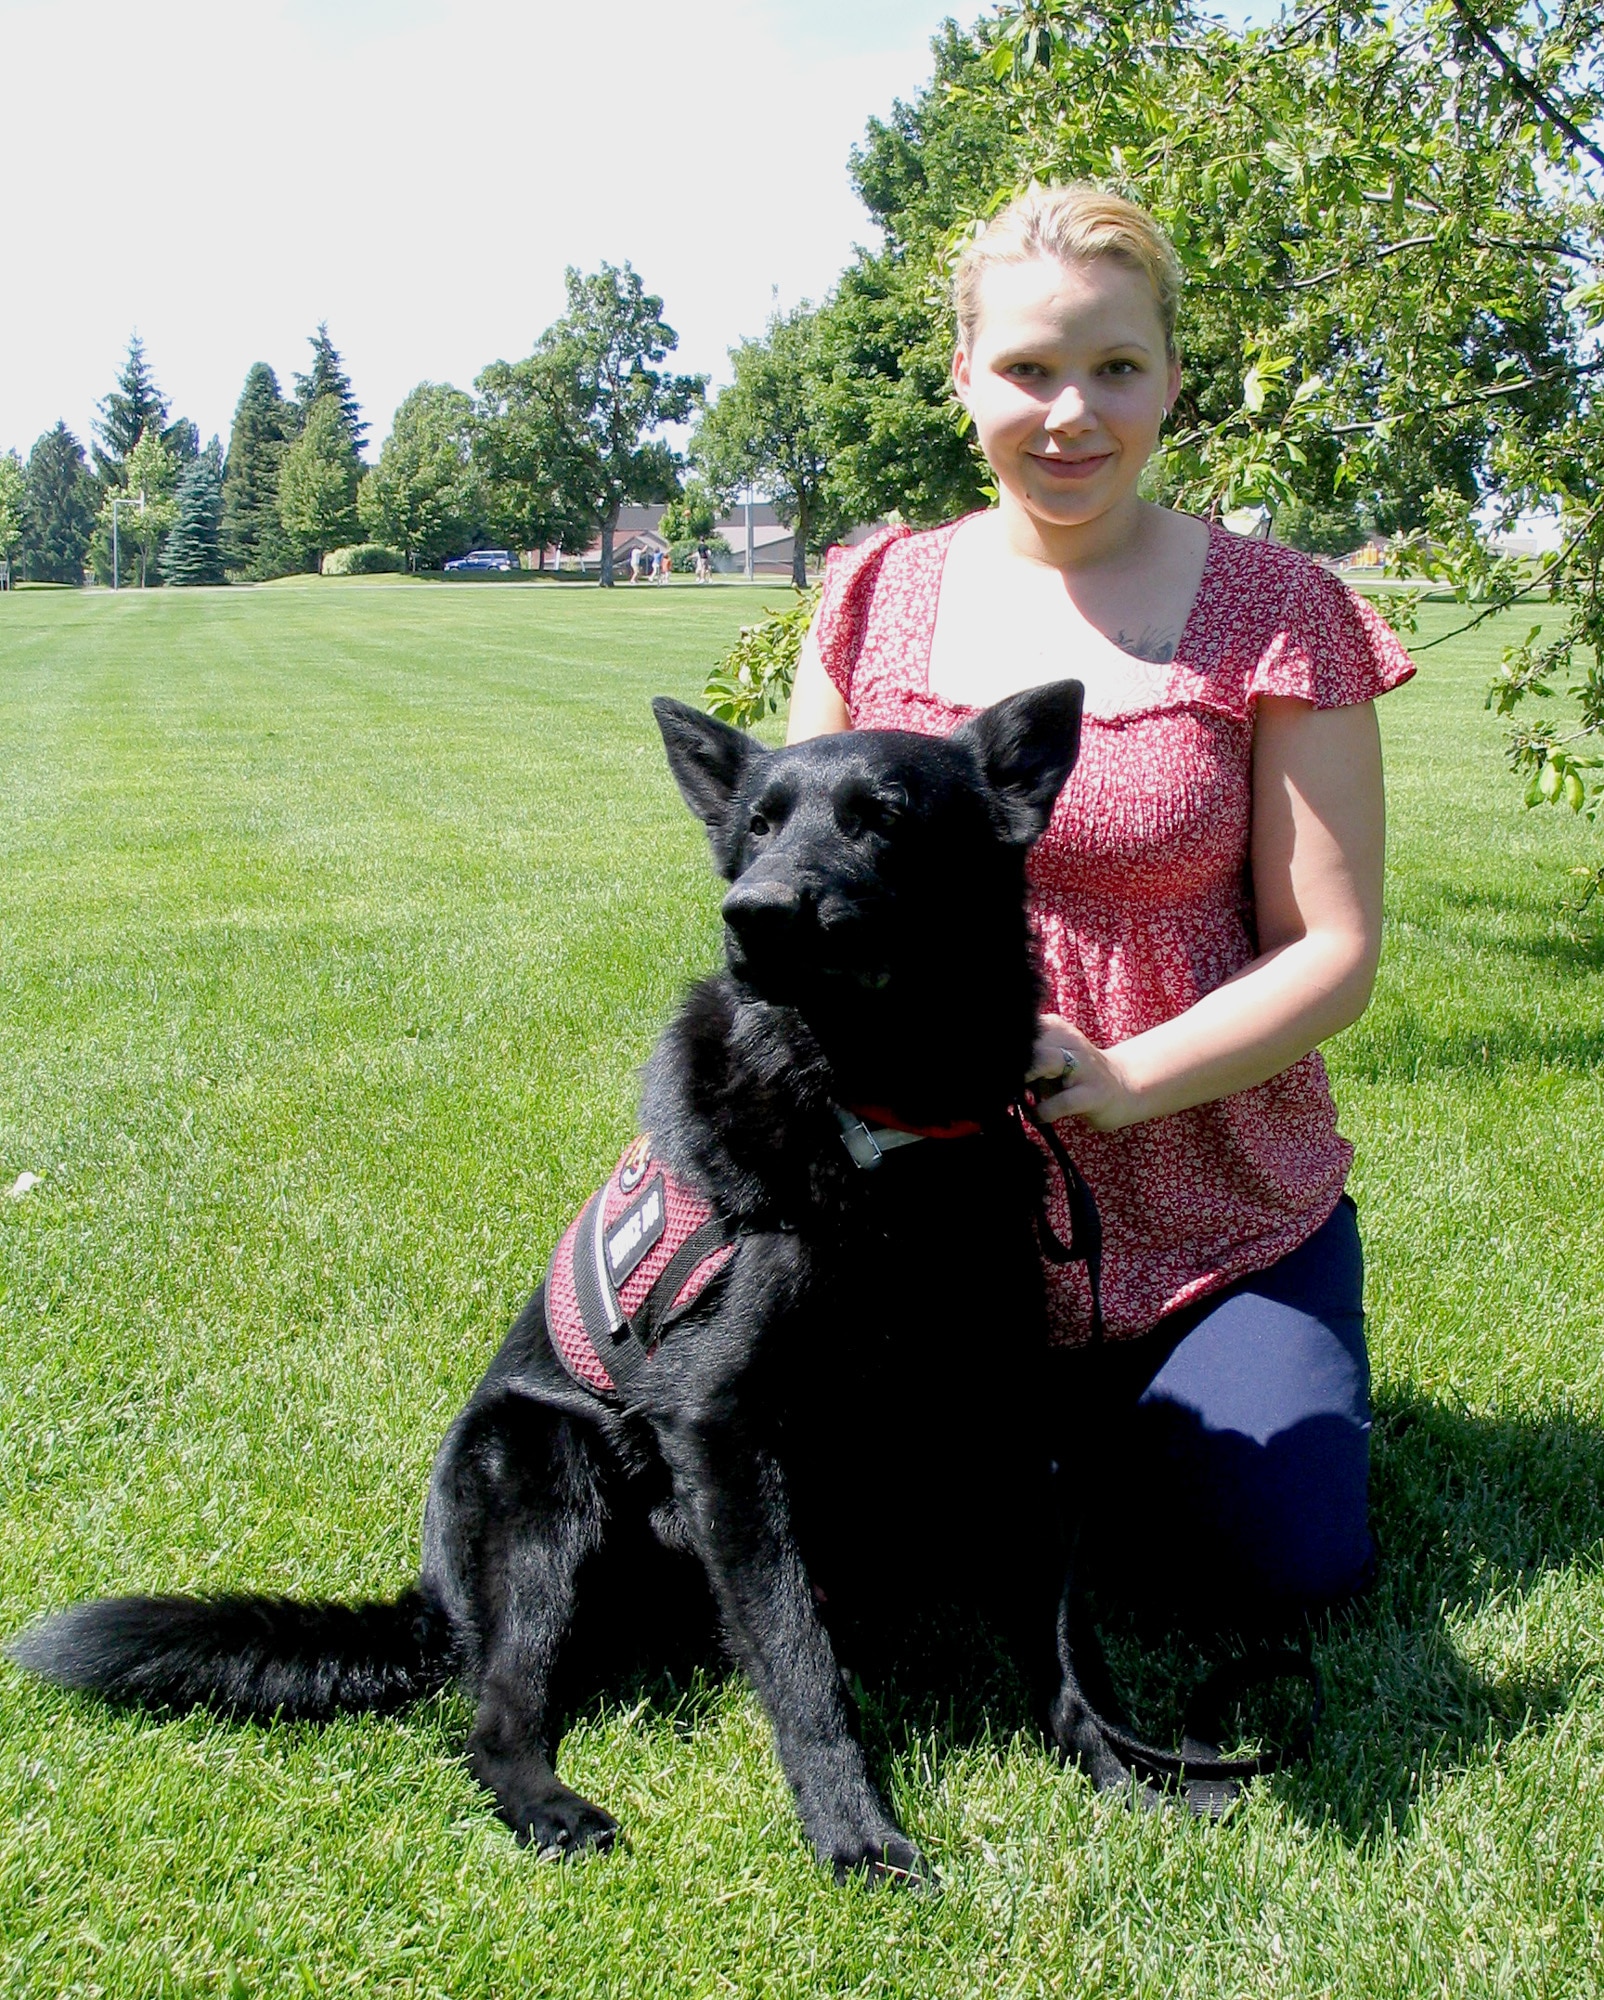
<point>637,1232</point>
<point>642,1251</point>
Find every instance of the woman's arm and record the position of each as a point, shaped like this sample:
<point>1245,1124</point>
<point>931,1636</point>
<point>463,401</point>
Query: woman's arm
<point>816,705</point>
<point>1317,851</point>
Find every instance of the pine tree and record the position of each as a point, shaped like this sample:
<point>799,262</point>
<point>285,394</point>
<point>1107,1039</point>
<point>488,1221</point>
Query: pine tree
<point>59,514</point>
<point>317,486</point>
<point>133,407</point>
<point>193,551</point>
<point>254,542</point>
<point>328,378</point>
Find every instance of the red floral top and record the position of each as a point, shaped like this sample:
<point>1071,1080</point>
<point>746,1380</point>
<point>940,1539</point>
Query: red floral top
<point>1141,893</point>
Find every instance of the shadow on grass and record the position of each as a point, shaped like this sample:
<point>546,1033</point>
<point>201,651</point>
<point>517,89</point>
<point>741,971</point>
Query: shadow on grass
<point>1403,1048</point>
<point>1536,925</point>
<point>1471,1511</point>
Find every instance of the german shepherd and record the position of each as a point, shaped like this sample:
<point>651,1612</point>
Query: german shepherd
<point>839,1415</point>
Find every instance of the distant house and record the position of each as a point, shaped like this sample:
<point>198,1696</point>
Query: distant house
<point>773,544</point>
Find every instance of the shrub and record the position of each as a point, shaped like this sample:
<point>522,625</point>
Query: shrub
<point>755,675</point>
<point>684,552</point>
<point>364,559</point>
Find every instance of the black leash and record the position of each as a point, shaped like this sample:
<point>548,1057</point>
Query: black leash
<point>1085,1245</point>
<point>1210,1782</point>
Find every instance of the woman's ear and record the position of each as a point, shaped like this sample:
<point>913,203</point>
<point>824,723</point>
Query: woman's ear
<point>960,373</point>
<point>1172,388</point>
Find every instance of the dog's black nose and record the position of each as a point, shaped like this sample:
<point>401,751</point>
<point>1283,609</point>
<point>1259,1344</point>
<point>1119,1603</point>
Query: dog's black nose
<point>756,909</point>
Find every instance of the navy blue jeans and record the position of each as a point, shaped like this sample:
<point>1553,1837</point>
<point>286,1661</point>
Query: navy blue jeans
<point>1225,1455</point>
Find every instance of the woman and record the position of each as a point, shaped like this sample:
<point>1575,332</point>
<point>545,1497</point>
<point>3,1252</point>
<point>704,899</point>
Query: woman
<point>1208,899</point>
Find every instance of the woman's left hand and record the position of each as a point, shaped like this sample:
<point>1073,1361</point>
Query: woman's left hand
<point>1076,1079</point>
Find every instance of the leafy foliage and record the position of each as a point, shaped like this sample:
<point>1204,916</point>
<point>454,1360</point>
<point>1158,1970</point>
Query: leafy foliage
<point>423,496</point>
<point>575,420</point>
<point>770,428</point>
<point>365,559</point>
<point>756,675</point>
<point>135,406</point>
<point>691,516</point>
<point>327,377</point>
<point>13,500</point>
<point>524,466</point>
<point>150,474</point>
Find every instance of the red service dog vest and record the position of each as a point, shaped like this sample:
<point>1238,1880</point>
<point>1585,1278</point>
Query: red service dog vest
<point>640,1253</point>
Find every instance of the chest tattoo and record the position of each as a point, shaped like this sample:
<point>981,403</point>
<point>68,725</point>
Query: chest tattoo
<point>1152,643</point>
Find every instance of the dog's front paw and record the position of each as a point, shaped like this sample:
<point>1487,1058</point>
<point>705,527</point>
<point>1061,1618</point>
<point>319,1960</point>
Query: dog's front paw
<point>561,1825</point>
<point>885,1855</point>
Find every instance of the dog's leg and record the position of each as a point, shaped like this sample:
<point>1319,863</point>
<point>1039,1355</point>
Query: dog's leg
<point>515,1510</point>
<point>734,1498</point>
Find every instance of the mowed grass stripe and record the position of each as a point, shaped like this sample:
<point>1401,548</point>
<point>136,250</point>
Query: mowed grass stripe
<point>334,922</point>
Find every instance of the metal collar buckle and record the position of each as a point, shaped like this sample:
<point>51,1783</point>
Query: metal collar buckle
<point>867,1146</point>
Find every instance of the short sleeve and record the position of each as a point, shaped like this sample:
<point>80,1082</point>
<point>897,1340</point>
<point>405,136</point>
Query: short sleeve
<point>842,618</point>
<point>1330,647</point>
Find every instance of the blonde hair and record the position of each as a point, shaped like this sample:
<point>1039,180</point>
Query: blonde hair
<point>1074,223</point>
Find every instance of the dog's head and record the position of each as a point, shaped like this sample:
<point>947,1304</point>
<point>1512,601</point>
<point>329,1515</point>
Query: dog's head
<point>874,860</point>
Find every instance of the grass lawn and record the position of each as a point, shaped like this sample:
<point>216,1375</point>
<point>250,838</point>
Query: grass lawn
<point>334,921</point>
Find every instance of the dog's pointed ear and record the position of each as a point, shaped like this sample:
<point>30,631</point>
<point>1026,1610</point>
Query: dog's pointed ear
<point>1027,745</point>
<point>709,759</point>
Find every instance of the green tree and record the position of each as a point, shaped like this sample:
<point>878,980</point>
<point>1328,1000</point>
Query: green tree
<point>771,428</point>
<point>150,473</point>
<point>592,395</point>
<point>423,495</point>
<point>530,490</point>
<point>193,550</point>
<point>1391,230</point>
<point>135,406</point>
<point>58,509</point>
<point>327,377</point>
<point>255,545</point>
<point>318,482</point>
<point>692,514</point>
<point>1320,528</point>
<point>13,502</point>
<point>1357,225</point>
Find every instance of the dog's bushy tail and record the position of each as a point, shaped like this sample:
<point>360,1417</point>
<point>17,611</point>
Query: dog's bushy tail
<point>245,1656</point>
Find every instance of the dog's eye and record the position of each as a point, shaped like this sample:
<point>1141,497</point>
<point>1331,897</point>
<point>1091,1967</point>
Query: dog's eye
<point>757,824</point>
<point>870,815</point>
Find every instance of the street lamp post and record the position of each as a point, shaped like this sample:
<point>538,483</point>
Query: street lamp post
<point>126,501</point>
<point>749,531</point>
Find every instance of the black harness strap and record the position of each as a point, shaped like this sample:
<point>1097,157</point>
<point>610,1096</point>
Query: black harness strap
<point>622,1345</point>
<point>658,1314</point>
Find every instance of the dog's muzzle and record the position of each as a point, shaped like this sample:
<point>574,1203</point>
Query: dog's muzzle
<point>785,940</point>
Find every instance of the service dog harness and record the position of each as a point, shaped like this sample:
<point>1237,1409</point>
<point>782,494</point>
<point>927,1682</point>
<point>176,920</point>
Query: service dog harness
<point>645,1248</point>
<point>635,1260</point>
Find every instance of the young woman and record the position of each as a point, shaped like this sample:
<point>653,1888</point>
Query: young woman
<point>1208,899</point>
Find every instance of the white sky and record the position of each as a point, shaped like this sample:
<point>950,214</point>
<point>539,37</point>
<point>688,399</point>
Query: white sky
<point>223,174</point>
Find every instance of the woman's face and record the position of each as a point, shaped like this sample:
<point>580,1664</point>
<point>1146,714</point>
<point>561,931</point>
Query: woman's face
<point>1067,381</point>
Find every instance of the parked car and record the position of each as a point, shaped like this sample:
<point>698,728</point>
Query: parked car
<point>483,559</point>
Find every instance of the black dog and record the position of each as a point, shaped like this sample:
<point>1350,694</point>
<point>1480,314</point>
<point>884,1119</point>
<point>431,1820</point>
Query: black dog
<point>843,1415</point>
